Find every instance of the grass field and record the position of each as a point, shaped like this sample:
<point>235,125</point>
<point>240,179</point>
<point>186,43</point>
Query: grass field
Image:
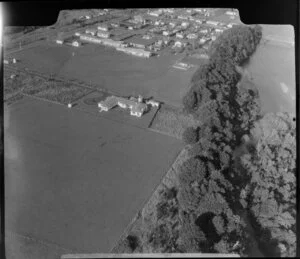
<point>75,179</point>
<point>109,69</point>
<point>137,227</point>
<point>172,121</point>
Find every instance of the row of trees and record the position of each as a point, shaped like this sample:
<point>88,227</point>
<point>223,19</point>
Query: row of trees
<point>228,109</point>
<point>271,192</point>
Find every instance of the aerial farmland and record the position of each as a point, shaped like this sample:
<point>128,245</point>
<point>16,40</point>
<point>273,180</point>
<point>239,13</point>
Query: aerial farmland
<point>120,136</point>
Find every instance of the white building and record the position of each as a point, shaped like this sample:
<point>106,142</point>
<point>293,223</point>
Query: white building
<point>91,31</point>
<point>103,27</point>
<point>210,22</point>
<point>59,41</point>
<point>75,43</point>
<point>231,13</point>
<point>179,35</point>
<point>153,103</point>
<point>77,34</point>
<point>156,13</point>
<point>5,61</point>
<point>192,36</point>
<point>103,34</point>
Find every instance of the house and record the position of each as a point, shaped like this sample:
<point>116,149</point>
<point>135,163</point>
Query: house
<point>108,103</point>
<point>12,76</point>
<point>156,13</point>
<point>115,24</point>
<point>103,27</point>
<point>91,31</point>
<point>5,61</point>
<point>138,109</point>
<point>185,24</point>
<point>136,52</point>
<point>179,35</point>
<point>77,34</point>
<point>219,30</point>
<point>139,42</point>
<point>153,103</point>
<point>231,13</point>
<point>210,22</point>
<point>75,43</point>
<point>179,44</point>
<point>191,36</point>
<point>139,18</point>
<point>59,41</point>
<point>103,34</point>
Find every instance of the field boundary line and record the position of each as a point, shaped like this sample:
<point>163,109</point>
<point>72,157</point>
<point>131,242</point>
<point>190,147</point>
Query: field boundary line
<point>153,118</point>
<point>147,200</point>
<point>164,133</point>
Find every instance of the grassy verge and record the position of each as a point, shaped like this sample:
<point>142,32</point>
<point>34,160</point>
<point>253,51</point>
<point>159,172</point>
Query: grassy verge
<point>172,121</point>
<point>140,224</point>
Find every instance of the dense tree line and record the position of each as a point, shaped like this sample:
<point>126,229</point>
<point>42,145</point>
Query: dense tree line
<point>271,192</point>
<point>228,109</point>
<point>199,217</point>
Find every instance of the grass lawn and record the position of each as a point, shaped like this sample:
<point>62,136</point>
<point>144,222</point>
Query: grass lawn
<point>146,216</point>
<point>76,179</point>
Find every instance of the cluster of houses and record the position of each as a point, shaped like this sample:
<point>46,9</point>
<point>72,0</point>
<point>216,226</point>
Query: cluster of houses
<point>146,33</point>
<point>137,106</point>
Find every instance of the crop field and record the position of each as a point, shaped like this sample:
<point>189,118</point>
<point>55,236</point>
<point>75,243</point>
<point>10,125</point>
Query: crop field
<point>172,122</point>
<point>106,68</point>
<point>74,179</point>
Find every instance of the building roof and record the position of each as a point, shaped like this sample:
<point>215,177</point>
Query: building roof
<point>141,41</point>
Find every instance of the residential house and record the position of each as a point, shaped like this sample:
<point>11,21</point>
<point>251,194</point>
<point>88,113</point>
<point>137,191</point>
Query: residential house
<point>139,18</point>
<point>191,36</point>
<point>210,22</point>
<point>59,41</point>
<point>103,34</point>
<point>75,43</point>
<point>232,13</point>
<point>91,31</point>
<point>153,103</point>
<point>108,103</point>
<point>179,35</point>
<point>103,27</point>
<point>156,13</point>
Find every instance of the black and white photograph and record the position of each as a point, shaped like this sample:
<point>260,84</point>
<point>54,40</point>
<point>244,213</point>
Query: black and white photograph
<point>142,131</point>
